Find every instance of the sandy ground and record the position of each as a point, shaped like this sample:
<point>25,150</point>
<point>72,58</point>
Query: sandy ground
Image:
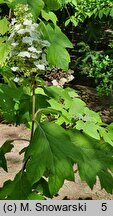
<point>70,190</point>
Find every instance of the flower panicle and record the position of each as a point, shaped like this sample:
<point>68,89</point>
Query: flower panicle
<point>28,49</point>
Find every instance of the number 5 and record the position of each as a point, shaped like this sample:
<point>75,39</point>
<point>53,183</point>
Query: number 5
<point>104,207</point>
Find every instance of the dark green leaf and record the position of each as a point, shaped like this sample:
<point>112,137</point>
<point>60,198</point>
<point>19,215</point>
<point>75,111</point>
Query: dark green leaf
<point>106,181</point>
<point>41,101</point>
<point>93,158</point>
<point>35,196</point>
<point>42,187</point>
<point>18,189</point>
<point>6,147</point>
<point>5,190</point>
<point>49,152</point>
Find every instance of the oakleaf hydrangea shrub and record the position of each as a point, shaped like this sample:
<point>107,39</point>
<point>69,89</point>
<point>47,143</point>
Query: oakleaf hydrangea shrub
<point>28,50</point>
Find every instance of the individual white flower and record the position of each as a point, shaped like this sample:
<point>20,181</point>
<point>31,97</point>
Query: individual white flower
<point>109,30</point>
<point>14,69</point>
<point>24,54</point>
<point>21,31</point>
<point>27,40</point>
<point>33,49</point>
<point>26,9</point>
<point>87,118</point>
<point>15,44</point>
<point>11,53</point>
<point>44,59</point>
<point>80,117</point>
<point>62,81</point>
<point>84,118</point>
<point>35,25</point>
<point>34,56</point>
<point>13,21</point>
<point>39,51</point>
<point>30,28</point>
<point>17,27</point>
<point>11,36</point>
<point>70,78</point>
<point>70,71</point>
<point>45,43</point>
<point>33,34</point>
<point>55,83</point>
<point>29,15</point>
<point>27,22</point>
<point>39,66</point>
<point>16,79</point>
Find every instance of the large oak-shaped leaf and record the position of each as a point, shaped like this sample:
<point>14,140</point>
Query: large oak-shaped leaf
<point>94,158</point>
<point>49,153</point>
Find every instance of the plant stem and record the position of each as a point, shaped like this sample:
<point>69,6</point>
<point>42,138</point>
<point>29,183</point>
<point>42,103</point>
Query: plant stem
<point>33,112</point>
<point>33,122</point>
<point>26,140</point>
<point>10,13</point>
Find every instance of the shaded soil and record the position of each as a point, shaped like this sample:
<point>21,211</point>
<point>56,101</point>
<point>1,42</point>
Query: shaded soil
<point>14,160</point>
<point>70,190</point>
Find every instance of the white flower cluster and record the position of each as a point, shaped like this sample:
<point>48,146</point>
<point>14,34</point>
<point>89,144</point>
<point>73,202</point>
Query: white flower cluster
<point>28,49</point>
